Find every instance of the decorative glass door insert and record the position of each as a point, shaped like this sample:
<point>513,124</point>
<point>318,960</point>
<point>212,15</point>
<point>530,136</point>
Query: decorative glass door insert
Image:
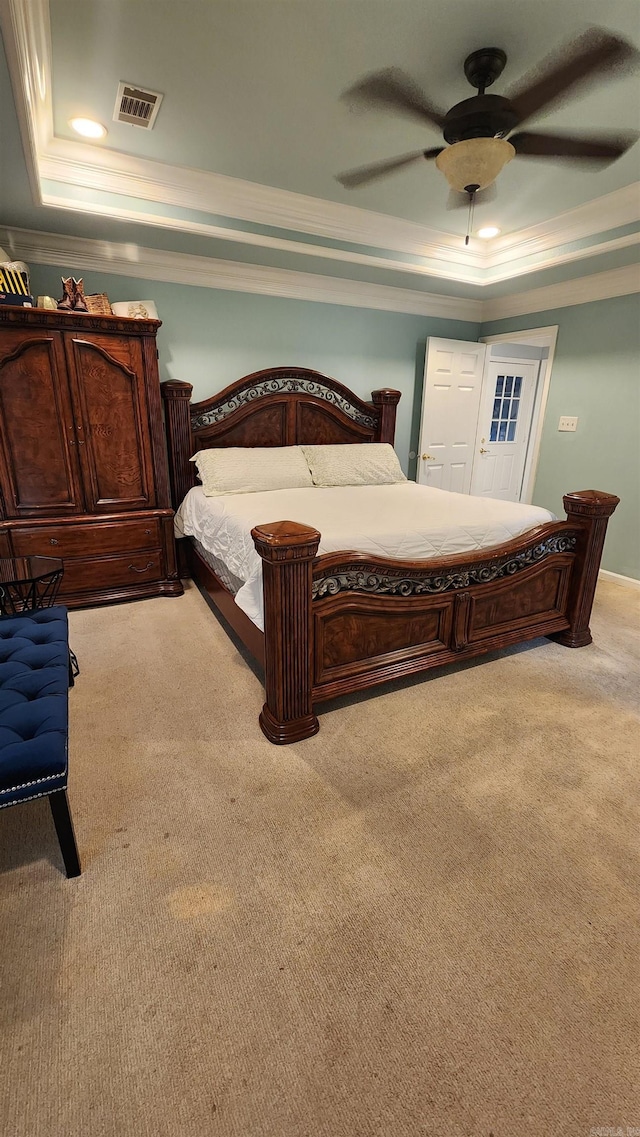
<point>506,405</point>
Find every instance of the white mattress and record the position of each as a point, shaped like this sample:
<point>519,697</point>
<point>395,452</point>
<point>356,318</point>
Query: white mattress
<point>404,520</point>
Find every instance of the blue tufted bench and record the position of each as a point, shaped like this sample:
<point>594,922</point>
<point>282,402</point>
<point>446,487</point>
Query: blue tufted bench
<point>34,717</point>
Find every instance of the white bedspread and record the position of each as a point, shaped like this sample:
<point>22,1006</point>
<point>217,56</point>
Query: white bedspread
<point>404,520</point>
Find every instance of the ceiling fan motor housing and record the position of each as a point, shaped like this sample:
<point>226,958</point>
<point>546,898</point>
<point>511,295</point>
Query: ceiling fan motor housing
<point>483,116</point>
<point>483,67</point>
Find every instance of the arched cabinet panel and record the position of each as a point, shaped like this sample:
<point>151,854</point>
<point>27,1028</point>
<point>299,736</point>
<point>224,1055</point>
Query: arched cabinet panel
<point>38,466</point>
<point>113,422</point>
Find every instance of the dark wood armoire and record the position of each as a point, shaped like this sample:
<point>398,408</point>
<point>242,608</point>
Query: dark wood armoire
<point>83,471</point>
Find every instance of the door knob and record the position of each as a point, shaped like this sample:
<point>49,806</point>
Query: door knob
<point>428,458</point>
<point>483,451</point>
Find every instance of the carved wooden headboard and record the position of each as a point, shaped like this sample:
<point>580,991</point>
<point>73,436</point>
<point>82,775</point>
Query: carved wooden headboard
<point>282,406</point>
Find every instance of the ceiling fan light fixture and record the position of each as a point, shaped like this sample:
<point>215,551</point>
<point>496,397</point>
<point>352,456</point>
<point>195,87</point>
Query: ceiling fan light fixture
<point>474,162</point>
<point>488,231</point>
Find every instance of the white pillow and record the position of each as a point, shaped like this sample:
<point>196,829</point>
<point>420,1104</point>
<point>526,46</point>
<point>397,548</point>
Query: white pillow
<point>251,469</point>
<point>359,464</point>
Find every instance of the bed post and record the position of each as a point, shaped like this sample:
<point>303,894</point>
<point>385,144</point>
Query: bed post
<point>592,510</point>
<point>287,550</point>
<point>386,400</point>
<point>176,396</point>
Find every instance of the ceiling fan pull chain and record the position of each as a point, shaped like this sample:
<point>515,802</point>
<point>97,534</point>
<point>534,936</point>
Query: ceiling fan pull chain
<point>472,201</point>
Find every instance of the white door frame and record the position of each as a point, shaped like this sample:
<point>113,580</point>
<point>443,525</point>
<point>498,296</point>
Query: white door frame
<point>537,337</point>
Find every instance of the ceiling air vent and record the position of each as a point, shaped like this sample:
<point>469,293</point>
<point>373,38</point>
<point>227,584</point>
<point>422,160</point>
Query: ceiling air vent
<point>136,106</point>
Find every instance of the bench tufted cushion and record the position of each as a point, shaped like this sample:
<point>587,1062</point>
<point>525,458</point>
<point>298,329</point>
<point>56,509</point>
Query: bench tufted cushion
<point>34,678</point>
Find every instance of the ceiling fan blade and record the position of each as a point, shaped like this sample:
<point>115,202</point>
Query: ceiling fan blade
<point>395,90</point>
<point>353,178</point>
<point>460,200</point>
<point>603,149</point>
<point>596,53</point>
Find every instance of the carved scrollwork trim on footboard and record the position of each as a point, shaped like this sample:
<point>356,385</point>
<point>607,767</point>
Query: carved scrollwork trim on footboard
<point>397,580</point>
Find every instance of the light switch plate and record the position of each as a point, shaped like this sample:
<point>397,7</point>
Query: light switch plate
<point>568,422</point>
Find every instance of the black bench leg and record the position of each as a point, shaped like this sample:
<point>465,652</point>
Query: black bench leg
<point>64,828</point>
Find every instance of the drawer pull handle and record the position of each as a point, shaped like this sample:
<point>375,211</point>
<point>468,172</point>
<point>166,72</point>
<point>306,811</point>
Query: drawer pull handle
<point>145,569</point>
<point>52,541</point>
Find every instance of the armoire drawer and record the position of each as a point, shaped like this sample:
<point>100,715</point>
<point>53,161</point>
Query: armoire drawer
<point>95,539</point>
<point>82,575</point>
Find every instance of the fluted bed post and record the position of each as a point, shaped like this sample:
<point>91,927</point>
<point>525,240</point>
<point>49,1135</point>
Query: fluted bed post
<point>287,550</point>
<point>387,401</point>
<point>592,510</point>
<point>176,397</point>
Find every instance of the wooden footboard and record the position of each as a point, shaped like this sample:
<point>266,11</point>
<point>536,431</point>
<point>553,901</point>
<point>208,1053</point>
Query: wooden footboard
<point>344,621</point>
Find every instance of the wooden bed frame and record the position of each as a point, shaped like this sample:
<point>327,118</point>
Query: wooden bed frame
<point>344,621</point>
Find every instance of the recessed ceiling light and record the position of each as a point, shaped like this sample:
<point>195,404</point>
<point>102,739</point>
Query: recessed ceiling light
<point>488,231</point>
<point>88,128</point>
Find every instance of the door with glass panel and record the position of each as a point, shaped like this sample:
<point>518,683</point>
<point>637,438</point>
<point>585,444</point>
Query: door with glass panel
<point>504,425</point>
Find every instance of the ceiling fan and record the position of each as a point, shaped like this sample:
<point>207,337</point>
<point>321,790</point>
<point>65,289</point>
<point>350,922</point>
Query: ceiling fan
<point>476,129</point>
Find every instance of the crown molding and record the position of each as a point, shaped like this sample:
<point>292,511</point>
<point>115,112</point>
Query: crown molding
<point>483,264</point>
<point>598,286</point>
<point>323,252</point>
<point>27,34</point>
<point>217,194</point>
<point>622,207</point>
<point>72,254</point>
<point>258,240</point>
<point>498,277</point>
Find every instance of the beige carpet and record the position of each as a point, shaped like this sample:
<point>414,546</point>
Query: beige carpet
<point>422,921</point>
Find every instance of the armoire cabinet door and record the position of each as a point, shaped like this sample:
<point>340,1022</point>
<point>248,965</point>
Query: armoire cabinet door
<point>108,390</point>
<point>39,473</point>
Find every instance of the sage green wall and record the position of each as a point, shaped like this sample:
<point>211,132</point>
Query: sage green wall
<point>596,376</point>
<point>211,337</point>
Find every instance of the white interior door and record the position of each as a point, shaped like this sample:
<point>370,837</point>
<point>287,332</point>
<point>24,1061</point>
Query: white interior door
<point>450,406</point>
<point>504,425</point>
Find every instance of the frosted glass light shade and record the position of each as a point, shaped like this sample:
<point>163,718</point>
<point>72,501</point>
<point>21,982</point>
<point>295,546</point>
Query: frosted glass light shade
<point>474,161</point>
